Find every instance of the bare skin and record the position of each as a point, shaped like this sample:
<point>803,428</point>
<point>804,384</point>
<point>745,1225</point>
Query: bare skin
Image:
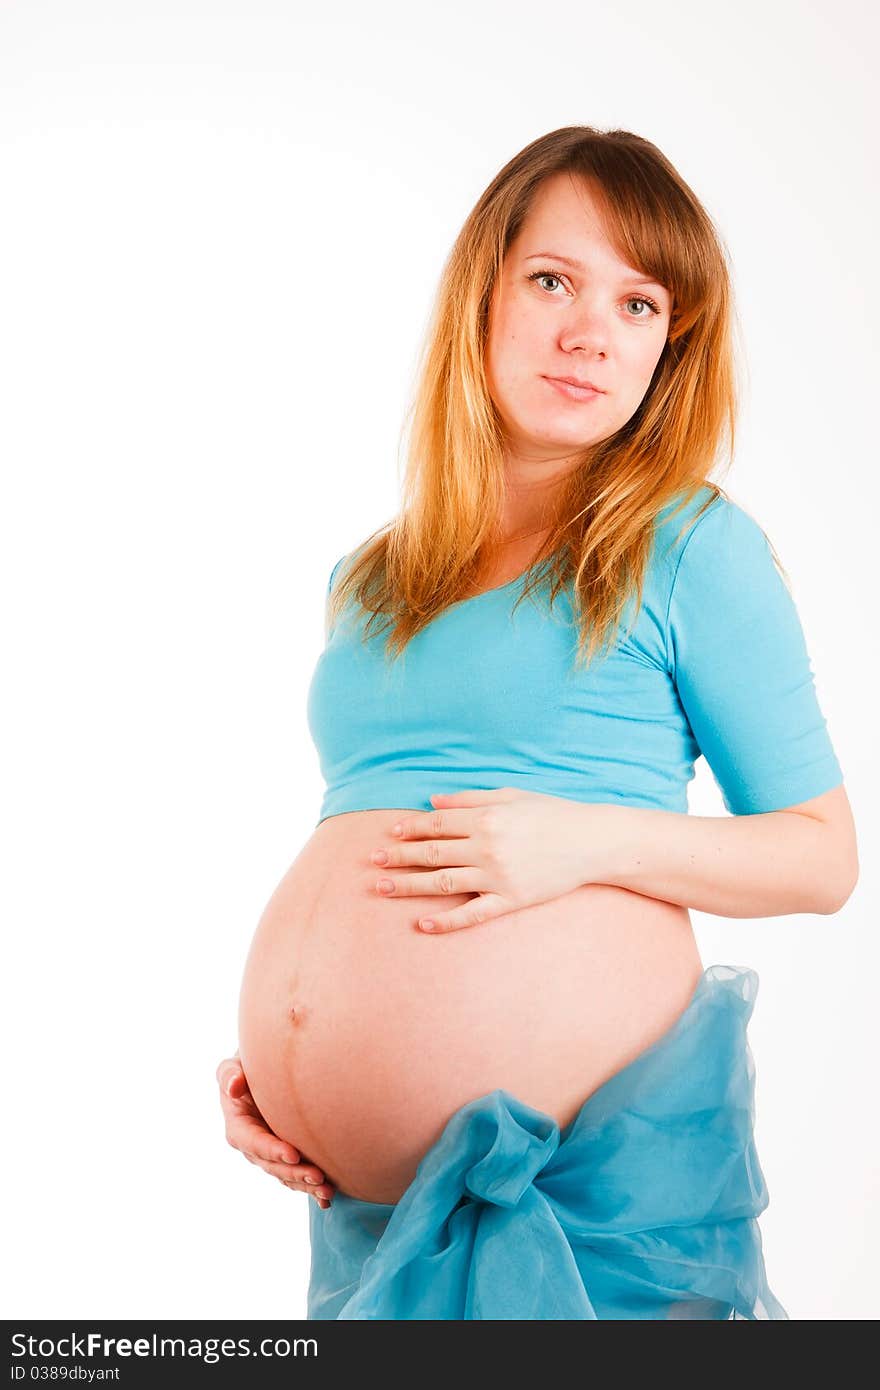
<point>637,959</point>
<point>247,1131</point>
<point>359,1035</point>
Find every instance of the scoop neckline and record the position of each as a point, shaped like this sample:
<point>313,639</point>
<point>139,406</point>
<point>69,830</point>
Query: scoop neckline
<point>498,589</point>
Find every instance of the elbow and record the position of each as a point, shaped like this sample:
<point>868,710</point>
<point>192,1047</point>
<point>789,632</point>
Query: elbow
<point>839,869</point>
<point>845,886</point>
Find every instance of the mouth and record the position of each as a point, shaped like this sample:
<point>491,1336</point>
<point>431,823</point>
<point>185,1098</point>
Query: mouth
<point>574,389</point>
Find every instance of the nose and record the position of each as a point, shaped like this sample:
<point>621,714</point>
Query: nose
<point>587,326</point>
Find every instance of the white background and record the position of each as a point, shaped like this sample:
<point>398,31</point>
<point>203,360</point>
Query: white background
<point>223,227</point>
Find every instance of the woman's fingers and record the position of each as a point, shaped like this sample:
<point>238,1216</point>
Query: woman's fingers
<point>245,1126</point>
<point>247,1131</point>
<point>254,1147</point>
<point>236,1085</point>
<point>319,1194</point>
<point>299,1178</point>
<point>230,1076</point>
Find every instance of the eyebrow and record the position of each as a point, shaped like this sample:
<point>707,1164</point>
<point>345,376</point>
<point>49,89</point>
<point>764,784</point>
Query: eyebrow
<point>578,265</point>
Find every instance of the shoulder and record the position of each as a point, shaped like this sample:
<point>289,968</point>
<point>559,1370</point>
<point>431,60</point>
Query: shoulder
<point>347,562</point>
<point>711,536</point>
<point>334,572</point>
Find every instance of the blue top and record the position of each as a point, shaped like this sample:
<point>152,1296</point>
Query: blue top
<point>716,663</point>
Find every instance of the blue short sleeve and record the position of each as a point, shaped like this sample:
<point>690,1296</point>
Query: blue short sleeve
<point>333,574</point>
<point>737,654</point>
<point>329,591</point>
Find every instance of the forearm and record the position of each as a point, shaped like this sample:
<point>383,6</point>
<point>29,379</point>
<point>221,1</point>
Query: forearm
<point>763,865</point>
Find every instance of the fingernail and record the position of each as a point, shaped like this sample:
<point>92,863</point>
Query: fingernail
<point>427,925</point>
<point>314,1181</point>
<point>384,885</point>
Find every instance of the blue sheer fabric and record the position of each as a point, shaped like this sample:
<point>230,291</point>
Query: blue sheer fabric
<point>644,1206</point>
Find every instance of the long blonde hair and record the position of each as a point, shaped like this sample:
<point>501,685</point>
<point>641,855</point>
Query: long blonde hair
<point>427,557</point>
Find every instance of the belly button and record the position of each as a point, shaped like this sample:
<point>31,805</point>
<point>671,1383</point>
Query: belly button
<point>295,1015</point>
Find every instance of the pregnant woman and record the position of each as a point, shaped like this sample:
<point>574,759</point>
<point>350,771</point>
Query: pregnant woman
<point>474,1009</point>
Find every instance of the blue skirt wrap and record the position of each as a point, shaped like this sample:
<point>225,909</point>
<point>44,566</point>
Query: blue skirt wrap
<point>644,1206</point>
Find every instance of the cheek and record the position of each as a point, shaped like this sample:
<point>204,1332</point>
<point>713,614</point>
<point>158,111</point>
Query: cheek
<point>518,345</point>
<point>503,349</point>
<point>640,367</point>
<point>651,356</point>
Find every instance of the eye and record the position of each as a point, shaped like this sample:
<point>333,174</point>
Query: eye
<point>643,299</point>
<point>545,275</point>
<point>652,304</point>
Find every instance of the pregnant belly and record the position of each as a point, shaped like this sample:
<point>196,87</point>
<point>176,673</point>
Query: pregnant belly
<point>360,1035</point>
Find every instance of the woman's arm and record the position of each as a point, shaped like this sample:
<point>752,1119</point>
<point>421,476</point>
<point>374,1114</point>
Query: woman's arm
<point>737,653</point>
<point>801,859</point>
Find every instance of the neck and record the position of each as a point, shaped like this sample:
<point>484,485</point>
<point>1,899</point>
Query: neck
<point>523,536</point>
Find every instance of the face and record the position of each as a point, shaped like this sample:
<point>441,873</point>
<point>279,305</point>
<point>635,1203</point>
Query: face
<point>598,320</point>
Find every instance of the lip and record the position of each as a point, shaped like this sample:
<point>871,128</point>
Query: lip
<point>575,390</point>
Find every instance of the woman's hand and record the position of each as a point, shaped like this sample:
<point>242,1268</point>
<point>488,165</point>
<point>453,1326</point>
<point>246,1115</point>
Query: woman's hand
<point>247,1131</point>
<point>511,848</point>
